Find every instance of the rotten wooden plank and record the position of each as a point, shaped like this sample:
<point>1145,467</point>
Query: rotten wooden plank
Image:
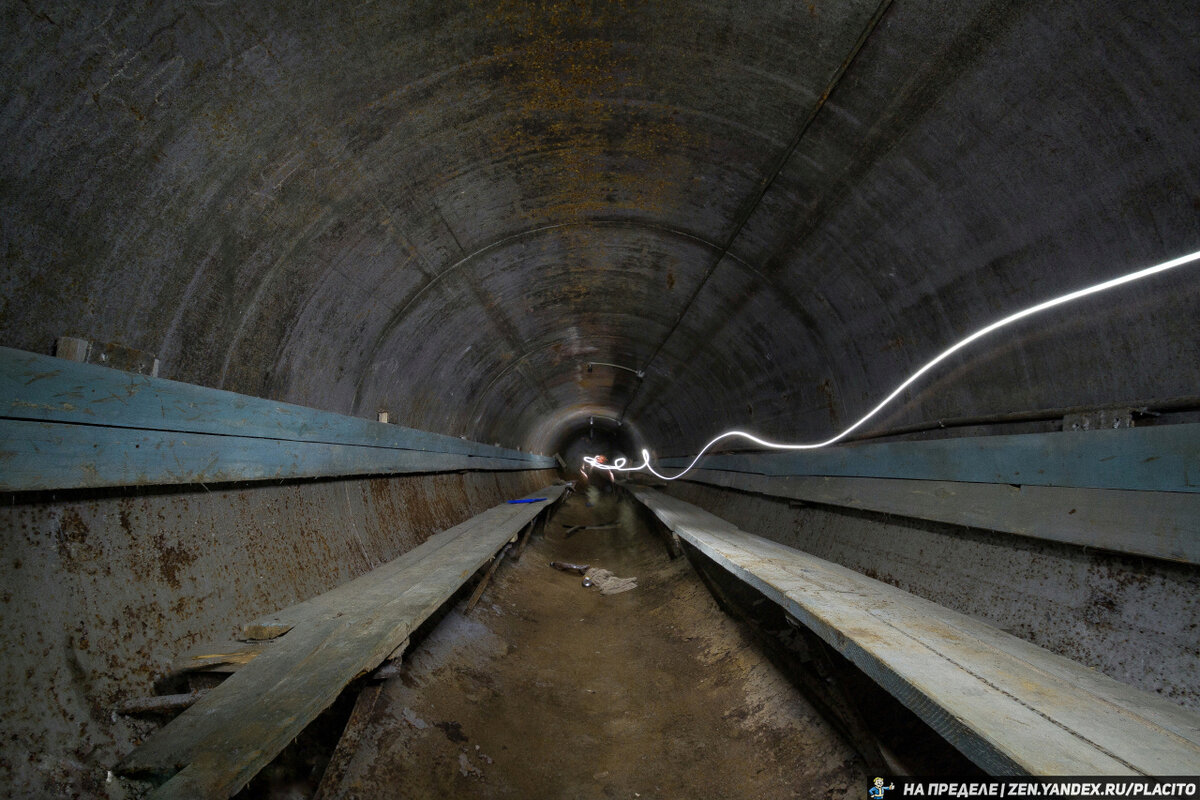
<point>219,657</point>
<point>1162,525</point>
<point>160,704</point>
<point>220,743</point>
<point>1012,707</point>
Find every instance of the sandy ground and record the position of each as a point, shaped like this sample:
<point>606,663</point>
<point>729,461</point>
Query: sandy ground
<point>550,690</point>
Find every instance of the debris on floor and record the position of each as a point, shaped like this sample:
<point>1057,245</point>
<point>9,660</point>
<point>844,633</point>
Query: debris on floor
<point>565,566</point>
<point>606,582</point>
<point>570,694</point>
<point>602,579</point>
<point>574,529</point>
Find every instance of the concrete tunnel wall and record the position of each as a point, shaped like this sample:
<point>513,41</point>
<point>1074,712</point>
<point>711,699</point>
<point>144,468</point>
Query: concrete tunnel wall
<point>774,210</point>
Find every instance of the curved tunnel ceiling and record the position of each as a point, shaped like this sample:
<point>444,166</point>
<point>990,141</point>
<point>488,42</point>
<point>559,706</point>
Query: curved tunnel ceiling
<point>774,210</point>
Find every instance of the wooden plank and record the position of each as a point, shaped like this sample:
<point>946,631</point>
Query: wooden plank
<point>1008,705</point>
<point>38,387</point>
<point>70,425</point>
<point>1158,524</point>
<point>1160,458</point>
<point>219,744</point>
<point>379,582</point>
<point>51,455</point>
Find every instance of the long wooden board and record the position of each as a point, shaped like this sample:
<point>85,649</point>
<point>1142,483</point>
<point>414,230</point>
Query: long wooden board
<point>1009,706</point>
<point>51,455</point>
<point>219,744</point>
<point>1162,459</point>
<point>71,425</point>
<point>1157,524</point>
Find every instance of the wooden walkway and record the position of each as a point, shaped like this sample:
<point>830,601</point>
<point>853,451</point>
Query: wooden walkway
<point>1011,707</point>
<point>220,743</point>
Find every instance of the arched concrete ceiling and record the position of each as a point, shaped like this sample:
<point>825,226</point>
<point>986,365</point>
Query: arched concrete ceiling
<point>774,209</point>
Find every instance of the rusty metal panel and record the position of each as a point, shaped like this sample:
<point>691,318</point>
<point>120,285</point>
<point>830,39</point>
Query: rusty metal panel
<point>101,590</point>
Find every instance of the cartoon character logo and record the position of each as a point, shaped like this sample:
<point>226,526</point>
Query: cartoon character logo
<point>876,791</point>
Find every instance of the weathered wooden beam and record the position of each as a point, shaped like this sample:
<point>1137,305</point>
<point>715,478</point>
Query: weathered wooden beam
<point>215,747</point>
<point>51,455</point>
<point>347,746</point>
<point>483,582</point>
<point>1157,524</point>
<point>70,425</point>
<point>160,704</point>
<point>525,536</point>
<point>1008,705</point>
<point>1162,458</point>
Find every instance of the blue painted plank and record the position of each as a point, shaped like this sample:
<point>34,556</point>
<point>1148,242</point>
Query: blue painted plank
<point>1158,524</point>
<point>52,455</point>
<point>38,387</point>
<point>65,424</point>
<point>1164,458</point>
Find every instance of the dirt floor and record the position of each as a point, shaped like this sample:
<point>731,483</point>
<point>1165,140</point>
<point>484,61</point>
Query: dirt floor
<point>549,689</point>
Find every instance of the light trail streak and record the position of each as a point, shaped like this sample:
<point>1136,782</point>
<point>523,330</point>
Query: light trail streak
<point>619,465</point>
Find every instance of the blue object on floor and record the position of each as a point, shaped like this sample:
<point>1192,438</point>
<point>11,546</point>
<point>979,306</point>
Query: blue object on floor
<point>529,500</point>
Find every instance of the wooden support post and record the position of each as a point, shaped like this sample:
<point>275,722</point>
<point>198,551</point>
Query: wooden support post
<point>525,537</point>
<point>475,595</point>
<point>675,546</point>
<point>347,746</point>
<point>392,666</point>
<point>842,699</point>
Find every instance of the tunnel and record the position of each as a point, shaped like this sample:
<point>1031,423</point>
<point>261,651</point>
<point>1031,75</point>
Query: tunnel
<point>313,315</point>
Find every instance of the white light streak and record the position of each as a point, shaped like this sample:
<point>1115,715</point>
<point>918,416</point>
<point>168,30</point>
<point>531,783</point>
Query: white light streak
<point>618,465</point>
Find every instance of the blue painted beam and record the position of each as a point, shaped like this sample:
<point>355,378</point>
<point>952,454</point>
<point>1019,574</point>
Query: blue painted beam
<point>1164,459</point>
<point>51,455</point>
<point>65,424</point>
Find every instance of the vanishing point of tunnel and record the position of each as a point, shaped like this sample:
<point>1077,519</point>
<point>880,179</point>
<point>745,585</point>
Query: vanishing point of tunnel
<point>311,312</point>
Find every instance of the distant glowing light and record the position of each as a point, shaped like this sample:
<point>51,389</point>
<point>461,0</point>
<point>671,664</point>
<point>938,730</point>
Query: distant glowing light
<point>619,465</point>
